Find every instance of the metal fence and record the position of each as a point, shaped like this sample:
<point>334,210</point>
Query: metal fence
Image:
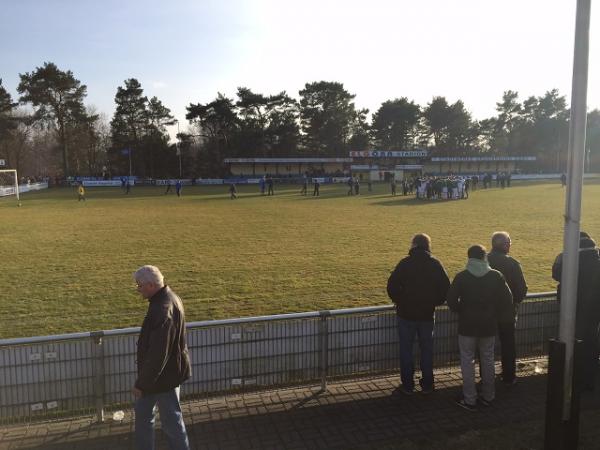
<point>88,373</point>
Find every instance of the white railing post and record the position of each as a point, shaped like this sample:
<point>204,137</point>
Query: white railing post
<point>98,345</point>
<point>324,346</point>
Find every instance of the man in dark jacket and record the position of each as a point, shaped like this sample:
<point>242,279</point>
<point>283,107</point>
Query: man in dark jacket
<point>417,285</point>
<point>481,297</point>
<point>557,265</point>
<point>513,274</point>
<point>587,318</point>
<point>163,362</point>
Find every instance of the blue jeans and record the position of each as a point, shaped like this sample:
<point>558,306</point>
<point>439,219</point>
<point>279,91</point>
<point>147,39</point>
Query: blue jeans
<point>170,419</point>
<point>407,330</point>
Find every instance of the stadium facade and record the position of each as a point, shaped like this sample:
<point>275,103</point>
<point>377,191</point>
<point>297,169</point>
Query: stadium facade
<point>379,165</point>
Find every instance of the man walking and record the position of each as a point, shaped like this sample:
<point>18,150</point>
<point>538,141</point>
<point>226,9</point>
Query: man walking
<point>163,362</point>
<point>499,260</point>
<point>481,297</point>
<point>417,285</point>
<point>232,191</point>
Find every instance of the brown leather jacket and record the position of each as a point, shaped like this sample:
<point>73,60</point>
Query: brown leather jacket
<point>163,360</point>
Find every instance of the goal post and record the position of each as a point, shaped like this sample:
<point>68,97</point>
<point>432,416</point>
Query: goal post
<point>9,184</point>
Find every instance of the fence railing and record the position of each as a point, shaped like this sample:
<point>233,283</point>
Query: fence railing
<point>88,373</point>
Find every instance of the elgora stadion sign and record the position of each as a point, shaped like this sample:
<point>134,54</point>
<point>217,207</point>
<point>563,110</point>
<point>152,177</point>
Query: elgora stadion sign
<point>388,154</point>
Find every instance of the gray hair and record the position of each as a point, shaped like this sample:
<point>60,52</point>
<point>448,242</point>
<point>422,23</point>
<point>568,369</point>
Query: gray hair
<point>421,240</point>
<point>499,238</point>
<point>149,274</point>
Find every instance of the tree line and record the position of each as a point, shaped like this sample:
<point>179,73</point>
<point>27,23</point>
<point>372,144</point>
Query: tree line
<point>50,131</point>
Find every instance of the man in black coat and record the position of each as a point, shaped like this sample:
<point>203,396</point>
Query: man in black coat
<point>500,260</point>
<point>587,319</point>
<point>163,362</point>
<point>482,299</point>
<point>417,285</point>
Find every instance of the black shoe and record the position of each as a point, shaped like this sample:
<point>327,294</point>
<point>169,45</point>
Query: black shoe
<point>402,390</point>
<point>427,390</point>
<point>464,405</point>
<point>510,382</point>
<point>486,403</point>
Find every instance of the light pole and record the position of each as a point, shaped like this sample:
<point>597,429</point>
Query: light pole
<point>562,406</point>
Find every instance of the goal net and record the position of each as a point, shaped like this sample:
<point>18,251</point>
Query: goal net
<point>9,184</point>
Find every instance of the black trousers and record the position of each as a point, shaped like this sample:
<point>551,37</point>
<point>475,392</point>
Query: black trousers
<point>590,357</point>
<point>506,334</point>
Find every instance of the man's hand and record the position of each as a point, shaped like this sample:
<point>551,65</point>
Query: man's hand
<point>136,392</point>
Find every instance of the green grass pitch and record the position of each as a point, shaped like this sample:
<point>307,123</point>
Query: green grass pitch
<point>67,265</point>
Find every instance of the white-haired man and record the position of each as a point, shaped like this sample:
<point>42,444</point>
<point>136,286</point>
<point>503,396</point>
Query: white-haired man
<point>163,362</point>
<point>500,260</point>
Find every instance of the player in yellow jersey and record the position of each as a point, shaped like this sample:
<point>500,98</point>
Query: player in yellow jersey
<point>81,192</point>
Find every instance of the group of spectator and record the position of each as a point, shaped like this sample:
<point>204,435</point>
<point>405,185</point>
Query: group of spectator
<point>266,182</point>
<point>486,296</point>
<point>32,179</point>
<point>503,179</point>
<point>407,186</point>
<point>353,185</point>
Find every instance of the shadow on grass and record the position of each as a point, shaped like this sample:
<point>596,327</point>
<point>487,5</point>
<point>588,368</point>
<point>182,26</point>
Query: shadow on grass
<point>412,201</point>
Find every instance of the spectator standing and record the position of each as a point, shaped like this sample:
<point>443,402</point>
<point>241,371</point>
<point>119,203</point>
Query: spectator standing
<point>500,260</point>
<point>317,186</point>
<point>262,183</point>
<point>417,285</point>
<point>481,298</point>
<point>587,318</point>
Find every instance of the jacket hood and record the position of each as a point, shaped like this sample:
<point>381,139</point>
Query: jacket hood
<point>478,267</point>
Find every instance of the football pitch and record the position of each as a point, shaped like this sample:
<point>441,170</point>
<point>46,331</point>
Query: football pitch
<point>67,265</point>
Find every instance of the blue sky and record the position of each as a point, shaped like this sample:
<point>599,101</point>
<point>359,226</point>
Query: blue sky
<point>186,51</point>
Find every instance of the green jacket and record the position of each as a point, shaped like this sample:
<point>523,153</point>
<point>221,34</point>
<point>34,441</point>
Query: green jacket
<point>481,301</point>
